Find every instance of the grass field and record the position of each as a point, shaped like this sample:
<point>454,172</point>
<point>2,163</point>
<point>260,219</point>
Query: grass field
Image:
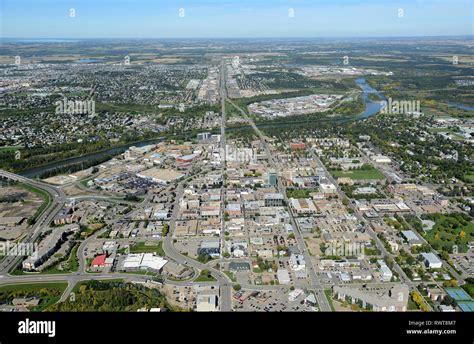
<point>204,276</point>
<point>9,148</point>
<point>359,174</point>
<point>469,177</point>
<point>142,247</point>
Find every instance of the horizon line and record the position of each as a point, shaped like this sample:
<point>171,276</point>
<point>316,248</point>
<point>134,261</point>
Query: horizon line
<point>236,37</point>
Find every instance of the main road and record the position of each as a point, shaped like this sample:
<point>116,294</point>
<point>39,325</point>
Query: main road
<point>316,284</point>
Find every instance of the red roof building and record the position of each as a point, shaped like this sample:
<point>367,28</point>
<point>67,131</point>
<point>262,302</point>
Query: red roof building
<point>98,261</point>
<point>297,146</point>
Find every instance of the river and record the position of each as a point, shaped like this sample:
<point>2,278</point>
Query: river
<point>371,109</point>
<point>38,171</point>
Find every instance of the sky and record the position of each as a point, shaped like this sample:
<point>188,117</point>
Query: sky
<point>234,18</point>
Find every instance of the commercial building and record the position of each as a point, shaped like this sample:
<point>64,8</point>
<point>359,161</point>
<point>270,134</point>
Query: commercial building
<point>431,261</point>
<point>297,262</point>
<point>143,261</point>
<point>273,200</point>
<point>303,206</point>
<point>201,137</point>
<point>283,276</point>
<point>212,248</point>
<point>272,178</point>
<point>297,146</point>
<point>186,160</point>
<point>99,261</point>
<point>385,272</point>
<point>207,303</point>
<point>412,238</point>
<point>376,298</point>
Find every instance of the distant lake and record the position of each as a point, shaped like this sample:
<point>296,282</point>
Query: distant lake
<point>461,106</point>
<point>86,61</point>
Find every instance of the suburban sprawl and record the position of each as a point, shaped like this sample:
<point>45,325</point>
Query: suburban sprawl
<point>197,175</point>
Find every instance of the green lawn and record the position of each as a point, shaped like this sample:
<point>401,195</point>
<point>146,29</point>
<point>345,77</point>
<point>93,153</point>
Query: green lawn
<point>299,193</point>
<point>204,276</point>
<point>469,177</point>
<point>9,148</point>
<point>359,174</point>
<point>142,247</point>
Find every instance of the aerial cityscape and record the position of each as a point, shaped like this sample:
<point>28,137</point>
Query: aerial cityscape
<point>161,173</point>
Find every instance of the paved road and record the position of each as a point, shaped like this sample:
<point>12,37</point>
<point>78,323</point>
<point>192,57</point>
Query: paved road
<point>404,278</point>
<point>225,285</point>
<point>316,284</point>
<point>57,201</point>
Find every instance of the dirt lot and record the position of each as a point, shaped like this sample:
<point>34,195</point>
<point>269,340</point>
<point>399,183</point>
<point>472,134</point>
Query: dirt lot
<point>18,202</point>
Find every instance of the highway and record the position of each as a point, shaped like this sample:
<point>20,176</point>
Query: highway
<point>57,201</point>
